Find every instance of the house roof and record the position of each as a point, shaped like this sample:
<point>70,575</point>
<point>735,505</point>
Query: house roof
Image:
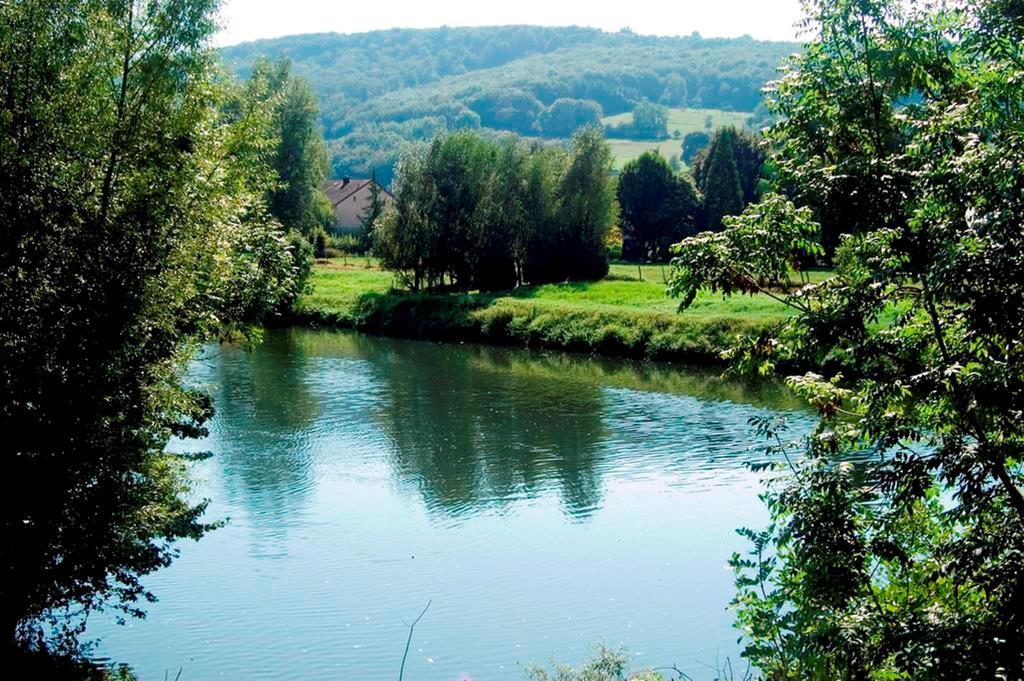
<point>339,190</point>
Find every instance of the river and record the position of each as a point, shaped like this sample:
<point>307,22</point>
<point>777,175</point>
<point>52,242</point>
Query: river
<point>542,503</point>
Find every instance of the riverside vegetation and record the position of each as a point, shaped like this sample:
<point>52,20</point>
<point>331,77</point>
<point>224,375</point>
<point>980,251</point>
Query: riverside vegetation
<point>626,313</point>
<point>148,203</point>
<point>509,242</point>
<point>144,207</point>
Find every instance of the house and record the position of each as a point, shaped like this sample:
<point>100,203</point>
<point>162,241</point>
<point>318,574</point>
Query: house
<point>351,199</point>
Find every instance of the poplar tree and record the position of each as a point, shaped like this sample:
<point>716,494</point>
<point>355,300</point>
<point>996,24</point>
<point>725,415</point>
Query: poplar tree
<point>723,194</point>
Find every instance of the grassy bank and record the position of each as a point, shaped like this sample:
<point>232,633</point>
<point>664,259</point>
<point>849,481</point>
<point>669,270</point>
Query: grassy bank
<point>622,315</point>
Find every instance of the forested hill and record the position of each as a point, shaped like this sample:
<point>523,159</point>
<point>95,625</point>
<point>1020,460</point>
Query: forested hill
<point>382,89</point>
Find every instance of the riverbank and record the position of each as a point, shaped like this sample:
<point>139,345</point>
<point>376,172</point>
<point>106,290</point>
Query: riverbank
<point>626,314</point>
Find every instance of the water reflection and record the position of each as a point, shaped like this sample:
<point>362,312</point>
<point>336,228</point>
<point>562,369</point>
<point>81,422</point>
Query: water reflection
<point>474,428</point>
<point>261,434</point>
<point>543,501</point>
<point>469,428</point>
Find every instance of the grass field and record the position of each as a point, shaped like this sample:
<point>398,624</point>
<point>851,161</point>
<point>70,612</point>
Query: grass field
<point>619,315</point>
<point>683,120</point>
<point>338,286</point>
<point>689,120</point>
<point>625,151</point>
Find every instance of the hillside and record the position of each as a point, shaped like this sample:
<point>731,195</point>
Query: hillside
<point>379,91</point>
<point>680,123</point>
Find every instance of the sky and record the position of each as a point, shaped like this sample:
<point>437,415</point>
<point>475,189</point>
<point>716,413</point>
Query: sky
<point>244,20</point>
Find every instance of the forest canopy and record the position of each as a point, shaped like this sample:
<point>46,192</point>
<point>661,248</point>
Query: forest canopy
<point>379,91</point>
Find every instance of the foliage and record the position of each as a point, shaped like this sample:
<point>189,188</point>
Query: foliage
<point>472,213</point>
<point>368,221</point>
<point>380,91</point>
<point>755,251</point>
<point>300,157</point>
<point>720,183</point>
<point>649,121</point>
<point>749,153</point>
<point>605,665</point>
<point>897,535</point>
<point>858,79</point>
<point>565,116</point>
<point>657,208</point>
<point>732,161</point>
<point>585,209</point>
<point>133,224</point>
<point>301,253</point>
<point>694,142</point>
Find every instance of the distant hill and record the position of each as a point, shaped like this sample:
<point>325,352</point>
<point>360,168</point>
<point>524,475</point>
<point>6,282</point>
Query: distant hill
<point>382,90</point>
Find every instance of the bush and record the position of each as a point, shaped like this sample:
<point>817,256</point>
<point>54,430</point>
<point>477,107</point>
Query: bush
<point>605,665</point>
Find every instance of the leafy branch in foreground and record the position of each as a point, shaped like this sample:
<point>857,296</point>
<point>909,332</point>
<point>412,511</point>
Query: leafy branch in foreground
<point>755,252</point>
<point>896,545</point>
<point>133,227</point>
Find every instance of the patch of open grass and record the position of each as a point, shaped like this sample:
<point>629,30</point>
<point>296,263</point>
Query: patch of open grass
<point>683,120</point>
<point>338,284</point>
<point>627,314</point>
<point>624,151</point>
<point>689,120</point>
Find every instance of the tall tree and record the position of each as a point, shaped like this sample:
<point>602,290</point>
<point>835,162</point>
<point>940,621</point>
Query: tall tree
<point>132,226</point>
<point>300,156</point>
<point>403,239</point>
<point>657,207</point>
<point>373,211</point>
<point>723,194</point>
<point>855,83</point>
<point>748,150</point>
<point>535,245</point>
<point>897,529</point>
<point>586,206</point>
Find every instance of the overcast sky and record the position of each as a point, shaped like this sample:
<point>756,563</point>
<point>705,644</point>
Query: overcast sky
<point>244,20</point>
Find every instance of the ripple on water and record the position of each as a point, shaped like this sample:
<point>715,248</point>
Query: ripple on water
<point>542,502</point>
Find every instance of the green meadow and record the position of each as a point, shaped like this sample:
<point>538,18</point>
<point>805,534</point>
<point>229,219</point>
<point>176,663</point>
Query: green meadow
<point>626,313</point>
<point>683,120</point>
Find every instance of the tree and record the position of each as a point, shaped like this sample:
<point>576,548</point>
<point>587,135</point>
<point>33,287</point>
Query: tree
<point>535,245</point>
<point>458,165</point>
<point>565,116</point>
<point>897,530</point>
<point>499,217</point>
<point>720,184</point>
<point>133,226</point>
<point>694,142</point>
<point>300,158</point>
<point>586,207</point>
<point>403,239</point>
<point>657,208</point>
<point>373,212</point>
<point>470,212</point>
<point>650,120</point>
<point>676,91</point>
<point>748,152</point>
<point>854,177</point>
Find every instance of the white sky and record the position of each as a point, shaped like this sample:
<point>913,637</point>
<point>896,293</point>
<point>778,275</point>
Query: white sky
<point>244,20</point>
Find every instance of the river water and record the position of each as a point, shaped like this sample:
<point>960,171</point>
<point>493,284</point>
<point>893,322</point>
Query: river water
<point>541,503</point>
